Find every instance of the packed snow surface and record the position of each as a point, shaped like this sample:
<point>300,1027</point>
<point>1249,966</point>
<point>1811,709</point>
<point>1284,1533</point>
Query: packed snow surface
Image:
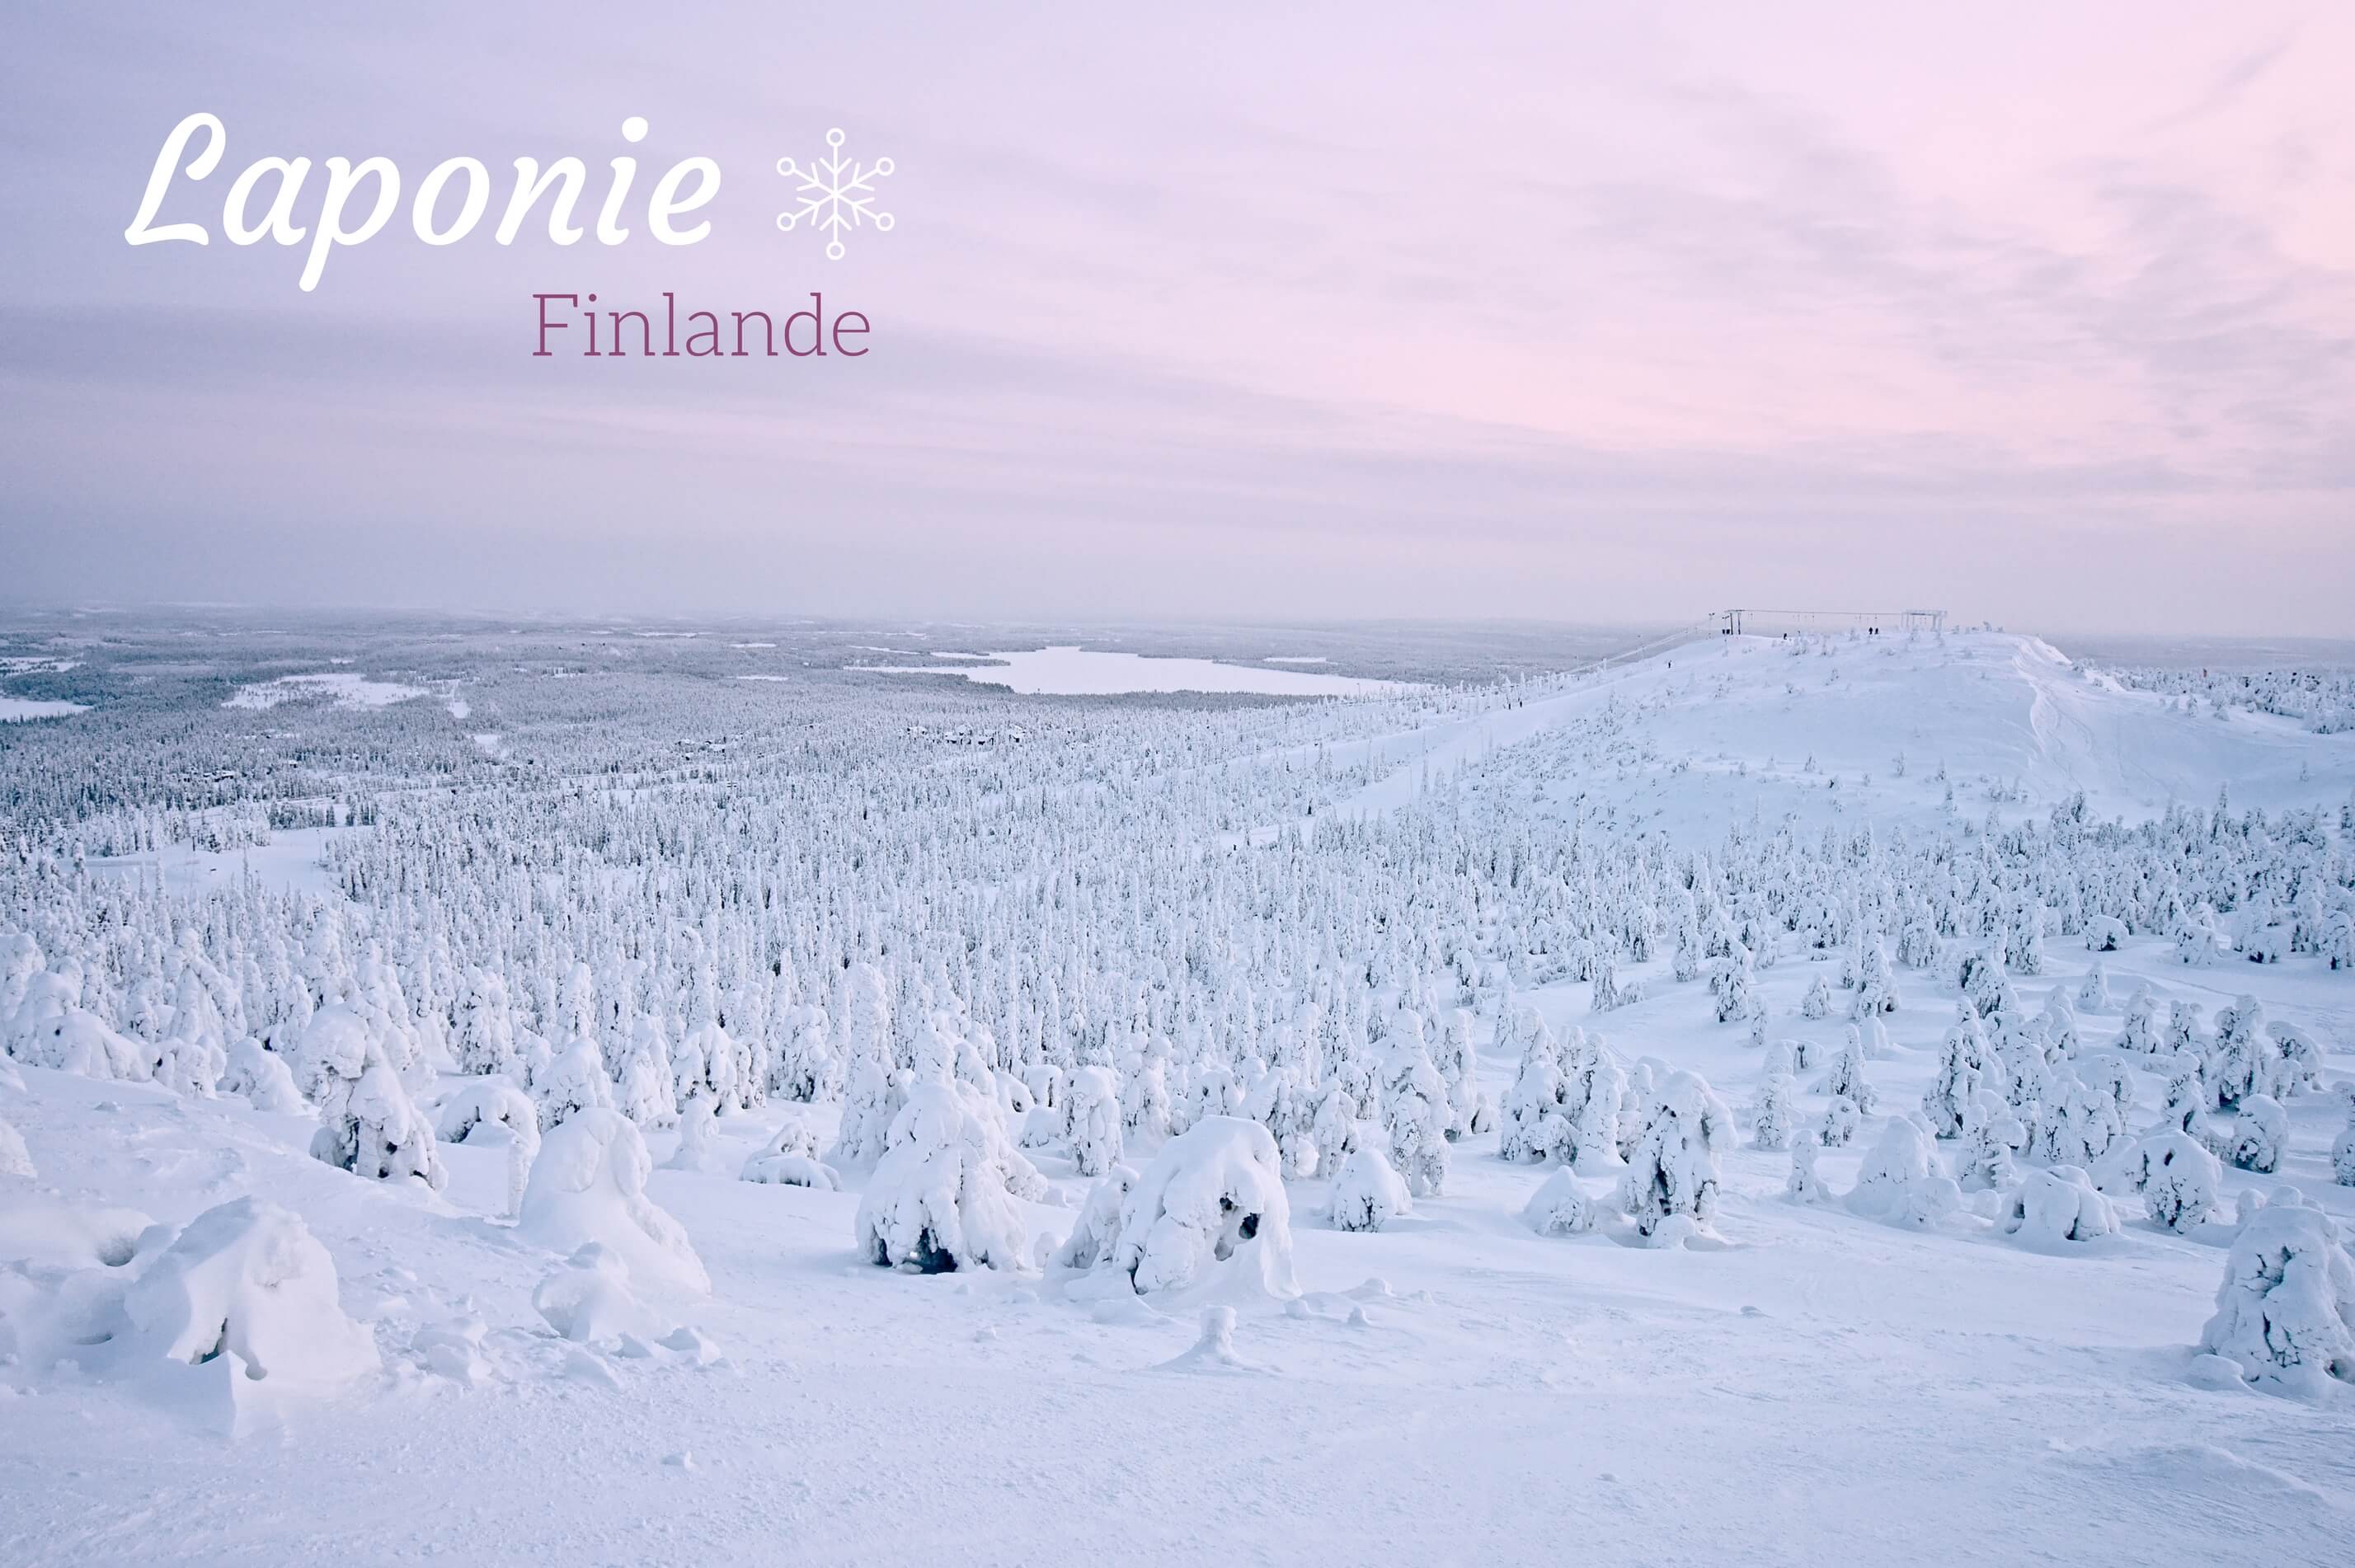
<point>1934,1250</point>
<point>1087,671</point>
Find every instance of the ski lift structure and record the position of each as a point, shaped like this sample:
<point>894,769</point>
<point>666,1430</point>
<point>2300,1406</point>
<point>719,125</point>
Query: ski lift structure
<point>1786,622</point>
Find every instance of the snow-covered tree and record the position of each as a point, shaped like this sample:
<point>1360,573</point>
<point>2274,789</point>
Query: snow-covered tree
<point>1092,1120</point>
<point>1533,1109</point>
<point>192,1056</point>
<point>574,1082</point>
<point>2093,994</point>
<point>1991,1137</point>
<point>944,1196</point>
<point>246,1281</point>
<point>1674,1170</point>
<point>1775,1117</point>
<point>367,1123</point>
<point>1367,1193</point>
<point>2260,1134</point>
<point>1961,1072</point>
<point>1841,1123</point>
<point>2286,1312</point>
<point>1213,1194</point>
<point>1091,1239</point>
<point>1804,1186</point>
<point>1898,1182</point>
<point>1414,1115</point>
<point>2179,1179</point>
<point>1846,1077</point>
<point>485,1040</point>
<point>2139,1032</point>
<point>1817,1002</point>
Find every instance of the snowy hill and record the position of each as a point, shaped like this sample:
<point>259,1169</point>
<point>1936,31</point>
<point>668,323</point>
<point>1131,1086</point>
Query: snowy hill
<point>293,1262</point>
<point>1773,725</point>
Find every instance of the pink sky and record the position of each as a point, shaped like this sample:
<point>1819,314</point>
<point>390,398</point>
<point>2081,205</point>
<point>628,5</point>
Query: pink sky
<point>2042,313</point>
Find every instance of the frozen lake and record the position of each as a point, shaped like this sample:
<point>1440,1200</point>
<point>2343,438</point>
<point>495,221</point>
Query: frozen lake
<point>1085,671</point>
<point>15,709</point>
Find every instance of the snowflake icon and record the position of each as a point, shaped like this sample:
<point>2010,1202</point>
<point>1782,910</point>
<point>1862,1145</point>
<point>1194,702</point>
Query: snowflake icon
<point>834,194</point>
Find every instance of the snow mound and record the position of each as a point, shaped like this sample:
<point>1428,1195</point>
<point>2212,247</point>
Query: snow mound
<point>587,1297</point>
<point>1899,1184</point>
<point>43,1231</point>
<point>2059,1208</point>
<point>247,1280</point>
<point>1560,1207</point>
<point>262,1077</point>
<point>589,1184</point>
<point>790,1160</point>
<point>16,1159</point>
<point>498,1102</point>
<point>1215,1349</point>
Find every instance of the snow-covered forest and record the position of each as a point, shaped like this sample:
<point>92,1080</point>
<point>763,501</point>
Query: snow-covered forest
<point>695,1094</point>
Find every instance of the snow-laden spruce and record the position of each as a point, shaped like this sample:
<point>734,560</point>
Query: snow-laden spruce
<point>1213,1196</point>
<point>1900,1183</point>
<point>2285,1312</point>
<point>1093,1121</point>
<point>946,1195</point>
<point>193,1055</point>
<point>2260,1134</point>
<point>367,1123</point>
<point>1415,1113</point>
<point>1773,1119</point>
<point>1804,1184</point>
<point>589,1184</point>
<point>1673,1171</point>
<point>1090,1241</point>
<point>573,1084</point>
<point>1367,1193</point>
<point>2178,1177</point>
<point>1991,1137</point>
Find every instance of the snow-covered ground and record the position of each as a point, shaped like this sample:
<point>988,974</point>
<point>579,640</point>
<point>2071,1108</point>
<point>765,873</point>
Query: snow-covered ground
<point>1804,1382</point>
<point>1087,671</point>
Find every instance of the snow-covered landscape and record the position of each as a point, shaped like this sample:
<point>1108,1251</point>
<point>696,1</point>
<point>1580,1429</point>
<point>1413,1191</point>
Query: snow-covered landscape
<point>1776,1098</point>
<point>946,785</point>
